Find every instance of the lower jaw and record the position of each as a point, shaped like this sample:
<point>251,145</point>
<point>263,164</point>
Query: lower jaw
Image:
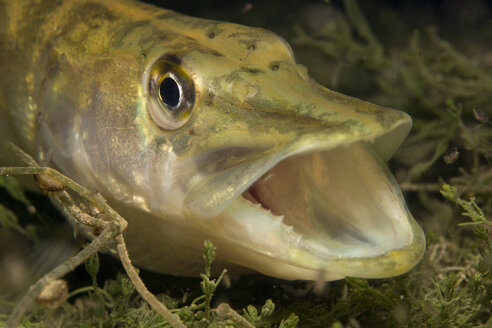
<point>281,253</point>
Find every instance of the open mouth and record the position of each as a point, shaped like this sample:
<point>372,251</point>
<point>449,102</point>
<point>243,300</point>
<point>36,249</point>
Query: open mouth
<point>341,202</point>
<point>313,208</point>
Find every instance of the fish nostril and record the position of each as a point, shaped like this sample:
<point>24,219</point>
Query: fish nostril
<point>302,71</point>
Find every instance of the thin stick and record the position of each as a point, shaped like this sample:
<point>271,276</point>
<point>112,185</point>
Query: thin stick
<point>32,168</point>
<point>81,217</point>
<point>69,183</point>
<point>225,311</point>
<point>158,306</point>
<point>28,299</point>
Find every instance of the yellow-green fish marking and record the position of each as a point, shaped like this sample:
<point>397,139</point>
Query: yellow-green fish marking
<point>201,130</point>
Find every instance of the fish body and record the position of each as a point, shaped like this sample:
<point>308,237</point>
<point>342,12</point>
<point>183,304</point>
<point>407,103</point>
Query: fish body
<point>202,130</point>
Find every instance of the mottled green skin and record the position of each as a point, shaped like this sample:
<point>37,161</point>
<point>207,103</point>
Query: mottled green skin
<point>73,93</point>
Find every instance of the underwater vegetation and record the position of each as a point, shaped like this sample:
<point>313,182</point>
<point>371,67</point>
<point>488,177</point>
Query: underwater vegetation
<point>442,78</point>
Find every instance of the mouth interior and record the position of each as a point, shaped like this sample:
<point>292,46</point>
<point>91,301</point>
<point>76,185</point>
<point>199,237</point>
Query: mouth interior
<point>340,203</point>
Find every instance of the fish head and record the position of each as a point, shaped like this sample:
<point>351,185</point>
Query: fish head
<point>214,132</point>
<point>285,176</point>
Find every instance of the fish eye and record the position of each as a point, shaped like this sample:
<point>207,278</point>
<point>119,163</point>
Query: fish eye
<point>170,92</point>
<point>171,95</point>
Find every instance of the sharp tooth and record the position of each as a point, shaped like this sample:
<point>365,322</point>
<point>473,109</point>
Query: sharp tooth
<point>268,177</point>
<point>278,219</point>
<point>293,234</point>
<point>247,195</point>
<point>298,238</point>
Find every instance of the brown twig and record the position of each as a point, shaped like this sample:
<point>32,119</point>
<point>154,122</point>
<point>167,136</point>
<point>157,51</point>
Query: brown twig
<point>224,311</point>
<point>158,306</point>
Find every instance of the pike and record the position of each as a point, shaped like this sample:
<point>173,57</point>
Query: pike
<point>198,130</point>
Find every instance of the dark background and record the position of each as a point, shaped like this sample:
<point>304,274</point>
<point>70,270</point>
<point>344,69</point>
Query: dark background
<point>456,19</point>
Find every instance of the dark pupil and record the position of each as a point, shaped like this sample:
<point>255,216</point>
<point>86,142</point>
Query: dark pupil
<point>169,92</point>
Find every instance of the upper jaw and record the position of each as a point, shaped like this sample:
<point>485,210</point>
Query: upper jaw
<point>298,213</point>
